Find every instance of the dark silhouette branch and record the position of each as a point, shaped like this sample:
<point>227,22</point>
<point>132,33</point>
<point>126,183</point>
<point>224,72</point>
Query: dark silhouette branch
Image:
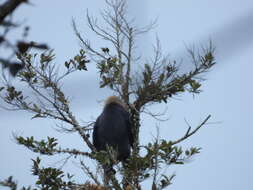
<point>9,7</point>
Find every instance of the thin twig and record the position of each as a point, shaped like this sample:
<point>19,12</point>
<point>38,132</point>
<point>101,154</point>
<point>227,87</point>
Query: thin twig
<point>188,133</point>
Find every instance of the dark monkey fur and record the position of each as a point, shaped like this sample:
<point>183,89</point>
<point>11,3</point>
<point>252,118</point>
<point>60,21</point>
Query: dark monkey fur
<point>113,128</point>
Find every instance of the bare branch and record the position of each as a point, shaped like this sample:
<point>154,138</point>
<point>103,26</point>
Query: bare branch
<point>190,133</point>
<point>87,170</point>
<point>86,43</point>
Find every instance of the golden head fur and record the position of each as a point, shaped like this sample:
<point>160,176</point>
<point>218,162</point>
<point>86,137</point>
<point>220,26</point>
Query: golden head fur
<point>115,99</point>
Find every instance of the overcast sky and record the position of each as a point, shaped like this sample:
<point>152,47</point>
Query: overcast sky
<point>226,158</point>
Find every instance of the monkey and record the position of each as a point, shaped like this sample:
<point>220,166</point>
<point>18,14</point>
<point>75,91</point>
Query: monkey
<point>113,128</point>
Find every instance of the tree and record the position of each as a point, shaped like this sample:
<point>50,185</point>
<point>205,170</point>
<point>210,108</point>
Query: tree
<point>155,82</point>
<point>19,46</point>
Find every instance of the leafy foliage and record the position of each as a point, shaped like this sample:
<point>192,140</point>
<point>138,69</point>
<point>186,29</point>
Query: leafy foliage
<point>79,62</point>
<point>51,178</point>
<point>43,147</point>
<point>9,183</point>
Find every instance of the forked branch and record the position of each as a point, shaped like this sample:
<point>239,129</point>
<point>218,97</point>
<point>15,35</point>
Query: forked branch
<point>190,133</point>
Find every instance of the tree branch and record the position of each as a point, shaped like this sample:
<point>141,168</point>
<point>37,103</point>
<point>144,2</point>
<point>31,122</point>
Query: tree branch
<point>73,152</point>
<point>190,133</point>
<point>8,7</point>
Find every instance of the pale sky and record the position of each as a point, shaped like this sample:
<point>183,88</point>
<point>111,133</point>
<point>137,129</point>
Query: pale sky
<point>226,156</point>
